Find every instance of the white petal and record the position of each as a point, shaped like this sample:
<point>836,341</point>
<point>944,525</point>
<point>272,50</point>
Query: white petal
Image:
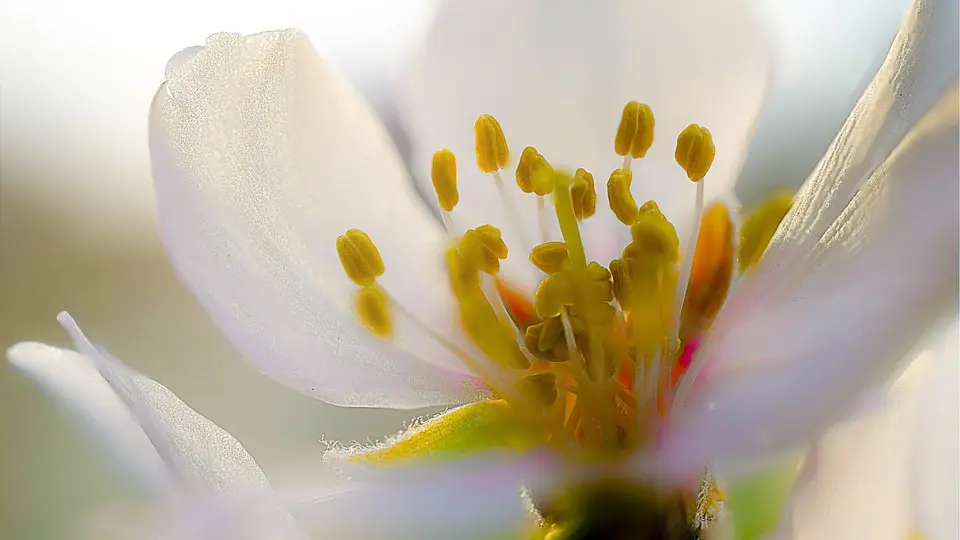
<point>467,498</point>
<point>828,52</point>
<point>935,462</point>
<point>207,516</point>
<point>261,157</point>
<point>795,361</point>
<point>74,383</point>
<point>557,75</point>
<point>854,481</point>
<point>139,422</point>
<point>923,63</point>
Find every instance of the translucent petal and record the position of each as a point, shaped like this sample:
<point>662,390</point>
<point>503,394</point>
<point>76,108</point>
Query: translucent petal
<point>208,516</point>
<point>261,157</point>
<point>854,480</point>
<point>140,423</point>
<point>795,361</point>
<point>934,467</point>
<point>557,75</point>
<point>74,384</point>
<point>469,498</point>
<point>922,64</point>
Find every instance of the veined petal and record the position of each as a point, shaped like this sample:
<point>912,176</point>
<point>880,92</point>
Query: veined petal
<point>794,362</point>
<point>141,423</point>
<point>557,75</point>
<point>261,158</point>
<point>476,498</point>
<point>922,65</point>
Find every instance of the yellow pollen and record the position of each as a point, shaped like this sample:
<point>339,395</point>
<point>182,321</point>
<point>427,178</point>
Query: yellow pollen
<point>635,132</point>
<point>695,151</point>
<point>549,257</point>
<point>444,175</point>
<point>584,194</point>
<point>653,235</point>
<point>490,145</point>
<point>373,308</point>
<point>484,248</point>
<point>621,200</point>
<point>359,257</point>
<point>758,229</point>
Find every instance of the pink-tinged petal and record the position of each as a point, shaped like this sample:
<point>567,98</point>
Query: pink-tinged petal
<point>556,74</point>
<point>473,498</point>
<point>784,367</point>
<point>209,516</point>
<point>144,426</point>
<point>261,158</point>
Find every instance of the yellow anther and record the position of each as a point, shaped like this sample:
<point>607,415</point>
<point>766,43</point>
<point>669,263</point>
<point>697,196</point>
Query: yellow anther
<point>621,200</point>
<point>534,173</point>
<point>373,308</point>
<point>710,273</point>
<point>359,257</point>
<point>484,248</point>
<point>635,132</point>
<point>490,144</point>
<point>695,151</point>
<point>541,387</point>
<point>584,194</point>
<point>653,236</point>
<point>546,340</point>
<point>758,229</point>
<point>524,169</point>
<point>444,174</point>
<point>650,206</point>
<point>554,292</point>
<point>549,257</point>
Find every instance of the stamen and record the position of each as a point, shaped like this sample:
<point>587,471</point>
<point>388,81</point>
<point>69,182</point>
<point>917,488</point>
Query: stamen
<point>373,308</point>
<point>758,229</point>
<point>635,132</point>
<point>621,200</point>
<point>549,257</point>
<point>695,153</point>
<point>492,155</point>
<point>444,175</point>
<point>359,257</point>
<point>583,192</point>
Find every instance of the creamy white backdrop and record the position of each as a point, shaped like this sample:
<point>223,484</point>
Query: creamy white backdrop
<point>77,216</point>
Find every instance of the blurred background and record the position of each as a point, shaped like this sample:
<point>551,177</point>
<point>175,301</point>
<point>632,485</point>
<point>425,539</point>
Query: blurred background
<point>77,217</point>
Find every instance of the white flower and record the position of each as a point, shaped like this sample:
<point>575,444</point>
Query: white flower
<point>264,160</point>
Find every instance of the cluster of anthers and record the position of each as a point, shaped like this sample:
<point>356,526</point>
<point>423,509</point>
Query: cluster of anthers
<point>594,359</point>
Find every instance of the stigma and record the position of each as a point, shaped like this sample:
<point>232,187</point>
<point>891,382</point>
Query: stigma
<point>594,355</point>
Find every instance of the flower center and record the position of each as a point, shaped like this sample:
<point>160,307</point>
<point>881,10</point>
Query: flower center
<point>592,359</point>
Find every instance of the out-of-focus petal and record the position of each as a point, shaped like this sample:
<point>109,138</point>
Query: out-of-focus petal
<point>74,384</point>
<point>138,421</point>
<point>557,75</point>
<point>934,469</point>
<point>261,157</point>
<point>471,498</point>
<point>795,361</point>
<point>922,65</point>
<point>208,516</point>
<point>855,480</point>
